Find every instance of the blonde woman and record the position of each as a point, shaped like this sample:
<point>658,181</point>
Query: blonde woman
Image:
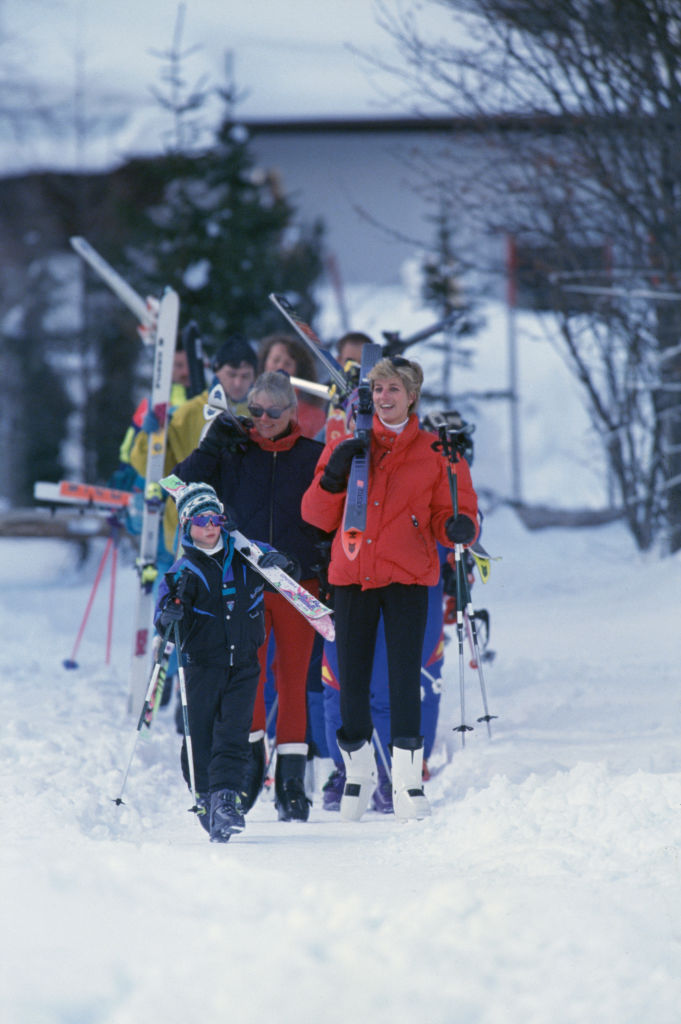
<point>409,509</point>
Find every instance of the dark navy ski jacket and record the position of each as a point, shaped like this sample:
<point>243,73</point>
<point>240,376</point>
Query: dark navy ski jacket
<point>264,485</point>
<point>224,622</point>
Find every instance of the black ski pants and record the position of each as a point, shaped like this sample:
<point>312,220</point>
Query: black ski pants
<point>220,703</point>
<point>357,613</point>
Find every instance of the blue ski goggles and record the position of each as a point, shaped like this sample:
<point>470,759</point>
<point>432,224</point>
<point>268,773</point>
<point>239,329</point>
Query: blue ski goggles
<point>256,411</point>
<point>210,519</point>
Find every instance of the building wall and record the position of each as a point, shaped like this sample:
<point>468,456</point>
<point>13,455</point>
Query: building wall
<point>367,186</point>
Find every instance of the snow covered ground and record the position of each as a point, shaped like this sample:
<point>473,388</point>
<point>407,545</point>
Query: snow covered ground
<point>545,889</point>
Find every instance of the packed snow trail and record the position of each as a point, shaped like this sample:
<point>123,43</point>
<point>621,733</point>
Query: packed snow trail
<point>545,888</point>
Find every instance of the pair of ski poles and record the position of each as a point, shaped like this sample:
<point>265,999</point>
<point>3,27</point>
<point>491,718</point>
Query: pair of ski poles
<point>449,447</point>
<point>174,628</point>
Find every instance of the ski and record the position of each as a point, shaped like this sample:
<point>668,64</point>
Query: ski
<point>395,344</point>
<point>313,342</point>
<point>145,311</point>
<point>158,325</point>
<point>192,345</point>
<point>71,493</point>
<point>316,613</point>
<point>354,515</point>
<point>164,348</point>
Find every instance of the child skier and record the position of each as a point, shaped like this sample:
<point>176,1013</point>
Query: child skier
<point>217,599</point>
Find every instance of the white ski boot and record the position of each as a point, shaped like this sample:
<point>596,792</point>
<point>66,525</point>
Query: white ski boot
<point>360,778</point>
<point>409,800</point>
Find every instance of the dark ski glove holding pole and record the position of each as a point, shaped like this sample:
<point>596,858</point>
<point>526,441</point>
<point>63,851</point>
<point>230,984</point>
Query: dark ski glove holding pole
<point>225,434</point>
<point>175,607</point>
<point>335,476</point>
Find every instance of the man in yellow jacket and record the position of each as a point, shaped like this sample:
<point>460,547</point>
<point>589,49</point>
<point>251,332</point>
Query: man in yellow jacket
<point>234,367</point>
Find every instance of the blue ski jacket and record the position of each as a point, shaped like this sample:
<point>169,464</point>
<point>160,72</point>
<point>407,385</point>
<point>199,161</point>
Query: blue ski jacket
<point>223,621</point>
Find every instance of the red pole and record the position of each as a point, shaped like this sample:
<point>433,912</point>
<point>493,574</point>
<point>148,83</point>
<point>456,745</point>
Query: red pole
<point>70,662</point>
<point>112,594</point>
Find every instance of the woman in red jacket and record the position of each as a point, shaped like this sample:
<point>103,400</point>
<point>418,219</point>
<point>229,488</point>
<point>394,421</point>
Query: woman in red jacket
<point>409,509</point>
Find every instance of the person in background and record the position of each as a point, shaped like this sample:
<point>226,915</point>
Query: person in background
<point>263,477</point>
<point>285,352</point>
<point>126,476</point>
<point>409,510</point>
<point>234,367</point>
<point>216,598</point>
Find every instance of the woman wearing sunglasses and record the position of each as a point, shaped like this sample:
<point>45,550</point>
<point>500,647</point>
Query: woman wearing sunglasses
<point>262,475</point>
<point>409,509</point>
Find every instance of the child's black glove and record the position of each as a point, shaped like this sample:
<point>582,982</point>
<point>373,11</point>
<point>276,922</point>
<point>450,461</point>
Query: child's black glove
<point>177,601</point>
<point>172,612</point>
<point>460,529</point>
<point>335,476</point>
<point>273,560</point>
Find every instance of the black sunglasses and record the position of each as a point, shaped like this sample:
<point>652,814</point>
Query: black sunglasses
<point>257,411</point>
<point>398,361</point>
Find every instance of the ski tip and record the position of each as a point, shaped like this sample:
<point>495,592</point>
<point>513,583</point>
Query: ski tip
<point>351,541</point>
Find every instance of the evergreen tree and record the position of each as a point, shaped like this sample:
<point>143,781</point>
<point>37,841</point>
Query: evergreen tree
<point>224,236</point>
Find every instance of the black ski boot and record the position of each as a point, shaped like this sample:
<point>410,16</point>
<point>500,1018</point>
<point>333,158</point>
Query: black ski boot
<point>254,774</point>
<point>226,818</point>
<point>203,810</point>
<point>290,798</point>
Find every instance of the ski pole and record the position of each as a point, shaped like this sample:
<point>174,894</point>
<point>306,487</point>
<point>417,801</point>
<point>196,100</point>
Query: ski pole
<point>270,756</point>
<point>448,448</point>
<point>115,525</point>
<point>470,614</point>
<point>145,708</point>
<point>462,728</point>
<point>71,662</point>
<point>185,723</point>
<point>463,594</point>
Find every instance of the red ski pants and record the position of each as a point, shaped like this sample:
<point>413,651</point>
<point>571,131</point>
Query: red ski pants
<point>293,638</point>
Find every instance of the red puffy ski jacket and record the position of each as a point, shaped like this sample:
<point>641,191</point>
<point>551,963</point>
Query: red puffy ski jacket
<point>408,504</point>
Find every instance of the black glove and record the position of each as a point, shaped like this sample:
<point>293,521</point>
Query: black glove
<point>273,560</point>
<point>460,529</point>
<point>224,435</point>
<point>173,611</point>
<point>177,601</point>
<point>335,476</point>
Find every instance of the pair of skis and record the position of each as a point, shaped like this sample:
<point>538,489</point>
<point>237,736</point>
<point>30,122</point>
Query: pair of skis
<point>158,320</point>
<point>354,515</point>
<point>316,613</point>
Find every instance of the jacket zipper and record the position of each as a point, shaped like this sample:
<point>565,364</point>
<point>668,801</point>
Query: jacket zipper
<point>274,466</point>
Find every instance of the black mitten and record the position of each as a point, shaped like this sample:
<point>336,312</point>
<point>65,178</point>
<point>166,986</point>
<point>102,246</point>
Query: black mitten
<point>335,476</point>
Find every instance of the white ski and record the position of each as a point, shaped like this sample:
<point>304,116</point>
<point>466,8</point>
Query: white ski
<point>144,311</point>
<point>316,613</point>
<point>158,325</point>
<point>159,402</point>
